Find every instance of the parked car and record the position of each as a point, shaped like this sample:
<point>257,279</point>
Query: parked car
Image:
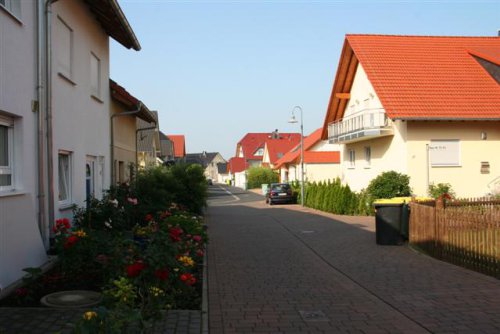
<point>279,193</point>
<point>210,182</point>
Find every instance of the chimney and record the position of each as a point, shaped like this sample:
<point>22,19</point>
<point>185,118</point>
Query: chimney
<point>498,32</point>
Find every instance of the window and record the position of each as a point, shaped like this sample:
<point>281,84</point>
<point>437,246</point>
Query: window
<point>64,35</point>
<point>6,153</point>
<point>259,152</point>
<point>368,156</point>
<point>95,76</point>
<point>352,158</point>
<point>444,153</point>
<point>13,6</point>
<point>64,177</point>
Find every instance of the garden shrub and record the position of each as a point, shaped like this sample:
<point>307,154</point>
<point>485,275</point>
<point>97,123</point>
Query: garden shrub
<point>437,190</point>
<point>389,184</point>
<point>257,176</point>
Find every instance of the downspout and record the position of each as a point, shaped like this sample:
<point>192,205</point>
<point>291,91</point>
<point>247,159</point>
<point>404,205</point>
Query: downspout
<point>39,119</point>
<point>136,132</point>
<point>48,114</point>
<point>126,113</point>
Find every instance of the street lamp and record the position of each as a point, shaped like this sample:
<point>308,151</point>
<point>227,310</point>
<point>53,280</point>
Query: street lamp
<point>293,120</point>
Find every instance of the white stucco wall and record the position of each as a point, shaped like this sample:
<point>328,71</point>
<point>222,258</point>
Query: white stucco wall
<point>81,121</point>
<point>21,244</point>
<point>466,179</point>
<point>387,153</point>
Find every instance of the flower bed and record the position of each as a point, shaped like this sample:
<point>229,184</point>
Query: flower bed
<point>142,262</point>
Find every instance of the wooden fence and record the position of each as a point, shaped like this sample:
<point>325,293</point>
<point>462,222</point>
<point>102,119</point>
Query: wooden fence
<point>463,232</point>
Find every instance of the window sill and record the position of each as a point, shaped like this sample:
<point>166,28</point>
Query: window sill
<point>367,167</point>
<point>351,167</point>
<point>446,166</point>
<point>12,15</point>
<point>65,77</point>
<point>66,206</point>
<point>10,193</point>
<point>98,99</point>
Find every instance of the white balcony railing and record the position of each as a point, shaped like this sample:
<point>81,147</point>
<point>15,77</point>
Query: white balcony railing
<point>363,125</point>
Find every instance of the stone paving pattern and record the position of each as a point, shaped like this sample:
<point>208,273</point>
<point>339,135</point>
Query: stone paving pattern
<point>266,264</point>
<point>51,321</point>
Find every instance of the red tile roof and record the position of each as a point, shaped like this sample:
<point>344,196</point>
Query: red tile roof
<point>120,94</point>
<point>294,154</point>
<point>277,148</point>
<point>251,142</point>
<point>422,77</point>
<point>179,145</point>
<point>236,165</point>
<point>321,157</point>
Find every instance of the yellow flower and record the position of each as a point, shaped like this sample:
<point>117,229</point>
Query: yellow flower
<point>89,315</point>
<point>187,261</point>
<point>156,291</point>
<point>80,233</point>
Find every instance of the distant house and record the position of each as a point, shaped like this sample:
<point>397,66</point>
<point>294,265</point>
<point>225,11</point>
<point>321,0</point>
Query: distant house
<point>166,149</point>
<point>125,110</point>
<point>148,142</point>
<point>179,147</point>
<point>236,170</point>
<point>425,106</point>
<point>209,161</point>
<point>251,147</point>
<point>276,147</point>
<point>321,160</point>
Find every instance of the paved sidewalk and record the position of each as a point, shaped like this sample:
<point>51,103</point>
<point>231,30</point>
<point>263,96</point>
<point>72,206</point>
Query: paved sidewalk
<point>51,321</point>
<point>285,269</point>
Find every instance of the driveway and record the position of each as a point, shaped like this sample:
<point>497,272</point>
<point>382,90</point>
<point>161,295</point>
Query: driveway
<point>288,269</point>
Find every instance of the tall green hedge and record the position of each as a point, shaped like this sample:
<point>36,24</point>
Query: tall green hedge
<point>333,197</point>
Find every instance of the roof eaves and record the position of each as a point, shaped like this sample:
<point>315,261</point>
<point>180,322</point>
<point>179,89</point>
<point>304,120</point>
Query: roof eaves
<point>114,22</point>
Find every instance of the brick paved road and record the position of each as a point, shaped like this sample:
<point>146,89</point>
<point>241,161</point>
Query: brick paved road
<point>269,264</point>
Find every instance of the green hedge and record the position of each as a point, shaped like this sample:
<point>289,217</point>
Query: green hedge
<point>333,197</point>
<point>257,176</point>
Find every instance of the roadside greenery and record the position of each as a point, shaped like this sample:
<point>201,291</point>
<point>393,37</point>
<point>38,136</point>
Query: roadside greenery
<point>440,189</point>
<point>333,197</point>
<point>389,184</point>
<point>141,246</point>
<point>257,176</point>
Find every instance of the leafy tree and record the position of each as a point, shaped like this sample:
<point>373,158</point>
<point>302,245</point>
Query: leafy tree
<point>257,176</point>
<point>437,190</point>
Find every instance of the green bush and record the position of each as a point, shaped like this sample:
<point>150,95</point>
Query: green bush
<point>258,176</point>
<point>437,190</point>
<point>389,184</point>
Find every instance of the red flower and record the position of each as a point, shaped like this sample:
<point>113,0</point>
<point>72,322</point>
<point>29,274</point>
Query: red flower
<point>135,269</point>
<point>175,234</point>
<point>61,225</point>
<point>149,217</point>
<point>197,238</point>
<point>162,274</point>
<point>199,252</point>
<point>72,239</point>
<point>188,279</point>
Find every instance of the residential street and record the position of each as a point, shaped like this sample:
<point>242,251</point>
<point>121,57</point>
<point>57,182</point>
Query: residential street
<point>285,269</point>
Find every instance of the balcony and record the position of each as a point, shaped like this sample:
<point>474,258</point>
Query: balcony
<point>364,125</point>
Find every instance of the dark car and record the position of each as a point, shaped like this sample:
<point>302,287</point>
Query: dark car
<point>279,193</point>
<point>210,182</point>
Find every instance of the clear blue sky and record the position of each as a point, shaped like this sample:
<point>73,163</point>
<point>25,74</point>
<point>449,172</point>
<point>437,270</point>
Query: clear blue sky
<point>217,70</point>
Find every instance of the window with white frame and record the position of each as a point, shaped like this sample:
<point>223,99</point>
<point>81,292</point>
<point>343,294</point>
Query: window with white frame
<point>65,177</point>
<point>368,156</point>
<point>352,158</point>
<point>259,152</point>
<point>95,76</point>
<point>6,153</point>
<point>444,153</point>
<point>64,35</point>
<point>13,6</point>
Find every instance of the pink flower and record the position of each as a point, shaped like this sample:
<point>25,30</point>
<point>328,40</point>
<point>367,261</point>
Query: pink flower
<point>197,238</point>
<point>132,201</point>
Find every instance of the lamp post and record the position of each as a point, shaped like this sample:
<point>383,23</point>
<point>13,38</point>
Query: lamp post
<point>293,120</point>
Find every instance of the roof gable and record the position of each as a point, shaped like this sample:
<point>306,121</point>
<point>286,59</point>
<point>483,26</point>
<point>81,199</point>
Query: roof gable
<point>421,77</point>
<point>179,145</point>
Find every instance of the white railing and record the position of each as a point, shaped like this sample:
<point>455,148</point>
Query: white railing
<point>355,126</point>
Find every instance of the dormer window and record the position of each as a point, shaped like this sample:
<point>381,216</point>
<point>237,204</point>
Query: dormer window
<point>259,152</point>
